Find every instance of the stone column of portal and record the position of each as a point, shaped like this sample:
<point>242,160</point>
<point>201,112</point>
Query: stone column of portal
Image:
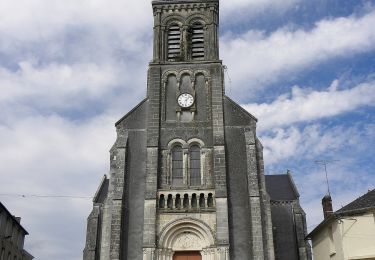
<point>223,253</point>
<point>256,230</point>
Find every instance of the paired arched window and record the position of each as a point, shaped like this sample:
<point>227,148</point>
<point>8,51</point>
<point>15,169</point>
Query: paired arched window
<point>174,42</point>
<point>187,45</point>
<point>193,172</point>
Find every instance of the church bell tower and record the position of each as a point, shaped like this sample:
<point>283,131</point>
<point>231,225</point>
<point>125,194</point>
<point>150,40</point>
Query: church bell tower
<point>186,88</point>
<point>186,171</point>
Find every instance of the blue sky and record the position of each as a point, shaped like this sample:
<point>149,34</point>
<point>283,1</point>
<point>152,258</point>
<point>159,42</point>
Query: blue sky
<point>69,69</point>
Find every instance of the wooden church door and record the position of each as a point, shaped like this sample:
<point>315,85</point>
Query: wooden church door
<point>187,256</point>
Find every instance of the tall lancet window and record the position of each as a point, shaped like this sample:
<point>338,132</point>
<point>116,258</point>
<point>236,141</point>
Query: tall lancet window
<point>177,166</point>
<point>195,165</point>
<point>197,41</point>
<point>174,43</point>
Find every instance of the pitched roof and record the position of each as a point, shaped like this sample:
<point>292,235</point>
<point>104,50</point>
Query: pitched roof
<point>15,219</point>
<point>364,202</point>
<point>281,187</point>
<point>360,205</point>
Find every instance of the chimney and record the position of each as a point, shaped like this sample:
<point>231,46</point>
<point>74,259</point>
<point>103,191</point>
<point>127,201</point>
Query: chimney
<point>327,206</point>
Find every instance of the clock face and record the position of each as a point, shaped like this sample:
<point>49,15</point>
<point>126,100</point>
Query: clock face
<point>185,100</point>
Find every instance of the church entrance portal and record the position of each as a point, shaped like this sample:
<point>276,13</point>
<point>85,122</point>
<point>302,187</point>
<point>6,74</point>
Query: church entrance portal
<point>187,256</point>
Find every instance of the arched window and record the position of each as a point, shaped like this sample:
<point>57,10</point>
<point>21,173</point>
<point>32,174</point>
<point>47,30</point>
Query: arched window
<point>195,165</point>
<point>174,43</point>
<point>197,41</point>
<point>177,166</point>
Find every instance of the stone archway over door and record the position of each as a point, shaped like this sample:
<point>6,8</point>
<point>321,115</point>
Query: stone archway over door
<point>187,256</point>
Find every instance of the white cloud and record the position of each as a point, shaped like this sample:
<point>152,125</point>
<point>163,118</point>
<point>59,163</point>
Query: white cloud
<point>54,156</point>
<point>256,59</point>
<point>312,142</point>
<point>57,80</point>
<point>252,7</point>
<point>32,20</point>
<point>306,105</point>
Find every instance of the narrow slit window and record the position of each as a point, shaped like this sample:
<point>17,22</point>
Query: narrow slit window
<point>197,41</point>
<point>174,43</point>
<point>195,165</point>
<point>177,167</point>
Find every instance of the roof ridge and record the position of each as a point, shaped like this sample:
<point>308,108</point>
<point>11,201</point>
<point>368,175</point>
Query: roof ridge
<point>365,201</point>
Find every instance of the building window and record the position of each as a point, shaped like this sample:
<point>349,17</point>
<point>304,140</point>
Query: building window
<point>197,41</point>
<point>2,256</point>
<point>195,165</point>
<point>174,43</point>
<point>177,166</point>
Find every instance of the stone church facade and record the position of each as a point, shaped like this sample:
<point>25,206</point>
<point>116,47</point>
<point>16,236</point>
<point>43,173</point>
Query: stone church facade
<point>186,171</point>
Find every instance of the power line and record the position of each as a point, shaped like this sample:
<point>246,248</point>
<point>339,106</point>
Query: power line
<point>45,196</point>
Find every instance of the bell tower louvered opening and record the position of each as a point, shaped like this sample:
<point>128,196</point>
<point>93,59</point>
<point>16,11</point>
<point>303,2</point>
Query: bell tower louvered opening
<point>174,43</point>
<point>197,42</point>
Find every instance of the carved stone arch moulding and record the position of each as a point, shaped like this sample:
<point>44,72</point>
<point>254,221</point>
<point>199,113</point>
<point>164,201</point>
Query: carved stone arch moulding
<point>196,141</point>
<point>186,234</point>
<point>185,72</point>
<point>175,142</point>
<point>202,72</point>
<point>198,18</point>
<point>169,73</point>
<point>173,18</point>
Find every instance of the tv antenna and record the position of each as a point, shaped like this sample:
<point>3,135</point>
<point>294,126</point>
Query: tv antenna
<point>325,163</point>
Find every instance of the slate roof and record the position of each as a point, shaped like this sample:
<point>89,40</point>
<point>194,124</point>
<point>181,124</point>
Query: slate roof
<point>364,202</point>
<point>360,205</point>
<point>281,187</point>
